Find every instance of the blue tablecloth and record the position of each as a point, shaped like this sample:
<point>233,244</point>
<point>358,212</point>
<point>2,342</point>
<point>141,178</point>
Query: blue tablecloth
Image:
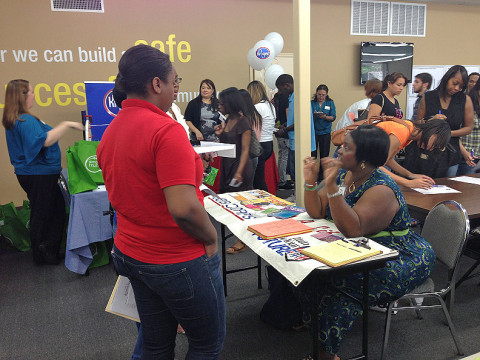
<point>86,225</point>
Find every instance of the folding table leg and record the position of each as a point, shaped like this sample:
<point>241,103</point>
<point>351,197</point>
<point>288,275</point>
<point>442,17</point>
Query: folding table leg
<point>224,259</point>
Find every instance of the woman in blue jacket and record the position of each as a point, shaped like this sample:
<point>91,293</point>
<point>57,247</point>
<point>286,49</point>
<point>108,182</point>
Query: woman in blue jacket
<point>36,157</point>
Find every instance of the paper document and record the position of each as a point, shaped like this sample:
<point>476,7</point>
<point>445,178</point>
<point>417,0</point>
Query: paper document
<point>467,179</point>
<point>437,189</point>
<point>122,300</point>
<point>225,150</point>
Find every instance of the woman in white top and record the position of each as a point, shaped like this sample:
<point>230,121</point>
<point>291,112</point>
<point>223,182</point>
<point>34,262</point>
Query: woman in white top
<point>267,111</point>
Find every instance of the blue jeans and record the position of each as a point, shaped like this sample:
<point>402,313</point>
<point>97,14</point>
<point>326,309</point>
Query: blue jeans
<point>259,173</point>
<point>190,293</point>
<point>291,164</point>
<point>282,160</point>
<point>464,169</point>
<point>452,171</point>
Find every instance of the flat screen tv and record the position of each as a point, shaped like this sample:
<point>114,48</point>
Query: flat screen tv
<point>377,59</point>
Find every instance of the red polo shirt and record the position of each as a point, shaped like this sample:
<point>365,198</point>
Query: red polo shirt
<point>142,152</point>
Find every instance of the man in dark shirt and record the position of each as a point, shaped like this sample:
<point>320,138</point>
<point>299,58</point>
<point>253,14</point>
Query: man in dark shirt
<point>421,84</point>
<point>280,101</point>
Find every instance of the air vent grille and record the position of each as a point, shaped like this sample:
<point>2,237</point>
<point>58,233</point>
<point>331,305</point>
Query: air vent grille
<point>369,17</point>
<point>408,19</point>
<point>78,5</point>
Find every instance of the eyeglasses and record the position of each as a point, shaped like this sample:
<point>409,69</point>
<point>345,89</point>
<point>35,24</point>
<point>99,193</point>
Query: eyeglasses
<point>178,80</point>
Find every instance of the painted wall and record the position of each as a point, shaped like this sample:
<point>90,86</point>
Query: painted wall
<point>57,51</point>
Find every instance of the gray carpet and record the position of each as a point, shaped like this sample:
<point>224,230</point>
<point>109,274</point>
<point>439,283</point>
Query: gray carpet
<point>51,313</point>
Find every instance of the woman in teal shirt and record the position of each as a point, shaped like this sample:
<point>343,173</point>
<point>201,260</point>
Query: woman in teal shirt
<point>36,157</point>
<point>324,114</point>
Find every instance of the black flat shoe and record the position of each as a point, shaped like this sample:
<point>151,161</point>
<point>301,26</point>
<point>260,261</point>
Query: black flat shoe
<point>48,258</point>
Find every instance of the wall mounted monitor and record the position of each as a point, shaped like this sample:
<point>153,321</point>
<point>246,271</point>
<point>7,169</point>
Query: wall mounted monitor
<point>377,59</point>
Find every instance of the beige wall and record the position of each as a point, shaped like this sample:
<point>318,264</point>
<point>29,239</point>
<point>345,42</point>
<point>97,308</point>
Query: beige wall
<point>219,33</point>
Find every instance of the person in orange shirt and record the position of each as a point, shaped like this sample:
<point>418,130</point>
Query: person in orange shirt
<point>432,134</point>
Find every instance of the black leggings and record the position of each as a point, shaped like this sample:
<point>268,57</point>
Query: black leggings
<point>259,177</point>
<point>47,217</point>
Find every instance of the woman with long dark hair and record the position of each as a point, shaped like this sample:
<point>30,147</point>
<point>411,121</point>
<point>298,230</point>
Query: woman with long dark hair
<point>165,242</point>
<point>36,157</point>
<point>255,119</point>
<point>202,113</point>
<point>236,173</point>
<point>447,102</point>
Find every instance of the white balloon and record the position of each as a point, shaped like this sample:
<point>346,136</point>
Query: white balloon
<point>272,74</point>
<point>277,40</point>
<point>264,53</point>
<point>253,61</point>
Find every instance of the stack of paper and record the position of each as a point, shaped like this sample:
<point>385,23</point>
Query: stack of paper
<point>339,252</point>
<point>279,228</point>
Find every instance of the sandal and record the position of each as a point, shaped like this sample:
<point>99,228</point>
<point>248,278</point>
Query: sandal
<point>236,248</point>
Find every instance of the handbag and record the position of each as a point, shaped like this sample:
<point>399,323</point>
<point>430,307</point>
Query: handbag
<point>338,136</point>
<point>362,115</point>
<point>255,148</point>
<point>282,310</point>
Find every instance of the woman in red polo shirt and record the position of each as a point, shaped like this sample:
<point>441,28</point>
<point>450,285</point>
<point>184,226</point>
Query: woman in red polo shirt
<point>165,243</point>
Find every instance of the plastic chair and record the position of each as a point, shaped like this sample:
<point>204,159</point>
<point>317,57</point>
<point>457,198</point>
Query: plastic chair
<point>446,228</point>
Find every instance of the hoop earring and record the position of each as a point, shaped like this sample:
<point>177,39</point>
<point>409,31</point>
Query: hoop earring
<point>362,165</point>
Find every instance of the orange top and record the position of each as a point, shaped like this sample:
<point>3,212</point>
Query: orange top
<point>400,131</point>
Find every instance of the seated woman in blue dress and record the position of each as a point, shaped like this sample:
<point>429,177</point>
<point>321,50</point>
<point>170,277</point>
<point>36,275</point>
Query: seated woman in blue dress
<point>362,201</point>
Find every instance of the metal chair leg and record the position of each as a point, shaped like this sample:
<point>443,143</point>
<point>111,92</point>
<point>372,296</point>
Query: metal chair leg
<point>450,325</point>
<point>386,333</point>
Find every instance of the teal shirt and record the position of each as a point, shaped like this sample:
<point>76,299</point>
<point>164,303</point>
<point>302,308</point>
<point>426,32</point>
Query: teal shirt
<point>323,126</point>
<point>25,146</point>
<point>290,121</point>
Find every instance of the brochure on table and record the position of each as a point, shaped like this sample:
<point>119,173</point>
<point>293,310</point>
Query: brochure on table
<point>228,210</point>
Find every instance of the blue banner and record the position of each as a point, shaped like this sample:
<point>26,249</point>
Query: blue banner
<point>100,105</point>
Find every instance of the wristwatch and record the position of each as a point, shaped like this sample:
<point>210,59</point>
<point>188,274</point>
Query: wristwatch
<point>339,192</point>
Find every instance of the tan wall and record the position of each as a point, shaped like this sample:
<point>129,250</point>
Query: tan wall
<point>219,32</point>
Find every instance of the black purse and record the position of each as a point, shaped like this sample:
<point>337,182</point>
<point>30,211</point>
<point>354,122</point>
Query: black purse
<point>255,148</point>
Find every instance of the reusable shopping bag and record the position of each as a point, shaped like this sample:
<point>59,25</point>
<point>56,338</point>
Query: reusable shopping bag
<point>13,227</point>
<point>83,171</point>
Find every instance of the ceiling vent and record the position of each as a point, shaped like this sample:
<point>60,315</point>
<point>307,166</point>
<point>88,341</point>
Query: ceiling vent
<point>408,19</point>
<point>369,17</point>
<point>78,5</point>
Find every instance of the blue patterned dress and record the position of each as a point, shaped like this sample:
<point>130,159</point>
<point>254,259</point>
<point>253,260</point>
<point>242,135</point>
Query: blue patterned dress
<point>337,312</point>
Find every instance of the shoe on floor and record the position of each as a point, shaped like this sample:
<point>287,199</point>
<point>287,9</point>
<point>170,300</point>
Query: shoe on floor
<point>286,186</point>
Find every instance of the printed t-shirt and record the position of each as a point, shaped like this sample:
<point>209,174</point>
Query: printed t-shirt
<point>142,152</point>
<point>388,108</point>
